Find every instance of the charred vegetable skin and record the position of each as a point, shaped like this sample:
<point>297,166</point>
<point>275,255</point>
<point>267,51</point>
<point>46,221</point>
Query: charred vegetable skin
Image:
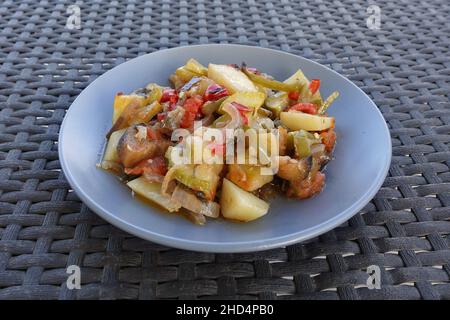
<point>139,148</point>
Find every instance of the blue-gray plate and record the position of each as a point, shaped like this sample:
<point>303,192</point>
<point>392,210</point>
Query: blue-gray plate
<point>362,156</point>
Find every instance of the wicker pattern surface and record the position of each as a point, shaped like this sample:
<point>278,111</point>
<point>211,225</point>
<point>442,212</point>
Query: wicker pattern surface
<point>404,66</point>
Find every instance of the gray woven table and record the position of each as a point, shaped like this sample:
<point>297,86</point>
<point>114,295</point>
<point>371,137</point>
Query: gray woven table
<point>404,66</point>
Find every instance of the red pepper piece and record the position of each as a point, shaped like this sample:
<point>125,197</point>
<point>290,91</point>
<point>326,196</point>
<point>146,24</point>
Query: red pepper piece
<point>314,85</point>
<point>215,92</point>
<point>242,111</point>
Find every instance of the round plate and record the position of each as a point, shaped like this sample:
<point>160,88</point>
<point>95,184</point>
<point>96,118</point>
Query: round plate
<point>362,156</point>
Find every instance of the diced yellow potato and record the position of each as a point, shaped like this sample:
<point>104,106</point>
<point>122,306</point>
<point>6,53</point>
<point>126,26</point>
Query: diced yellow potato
<point>238,204</point>
<point>295,120</point>
<point>146,113</point>
<point>247,177</point>
<point>297,77</point>
<point>124,100</point>
<point>253,100</point>
<point>111,147</point>
<point>184,74</point>
<point>152,191</point>
<point>232,79</point>
<point>196,67</point>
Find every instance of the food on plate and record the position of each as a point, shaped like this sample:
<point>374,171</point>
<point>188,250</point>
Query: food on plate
<point>221,141</point>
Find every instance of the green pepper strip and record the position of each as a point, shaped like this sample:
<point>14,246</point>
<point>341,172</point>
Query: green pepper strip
<point>268,83</point>
<point>328,102</point>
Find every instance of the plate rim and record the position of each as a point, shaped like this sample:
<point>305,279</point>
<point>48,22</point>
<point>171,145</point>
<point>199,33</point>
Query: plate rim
<point>227,247</point>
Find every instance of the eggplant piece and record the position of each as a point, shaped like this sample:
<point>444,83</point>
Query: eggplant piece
<point>195,218</point>
<point>308,187</point>
<point>293,169</point>
<point>132,149</point>
<point>188,85</point>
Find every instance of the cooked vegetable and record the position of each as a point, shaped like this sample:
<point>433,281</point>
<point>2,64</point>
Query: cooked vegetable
<point>146,113</point>
<point>285,144</point>
<point>328,139</point>
<point>221,121</point>
<point>328,102</point>
<point>185,74</point>
<point>110,159</point>
<point>303,141</point>
<point>247,177</point>
<point>186,87</point>
<point>152,92</point>
<point>210,107</point>
<point>203,178</point>
<point>306,94</point>
<point>269,83</point>
<point>293,169</point>
<point>238,204</point>
<point>277,102</point>
<point>238,114</point>
<point>298,120</point>
<point>189,200</point>
<point>215,92</point>
<point>152,192</point>
<point>192,107</point>
<point>134,113</point>
<point>308,187</point>
<point>132,148</point>
<point>111,148</point>
<point>121,101</point>
<point>152,169</point>
<point>196,67</point>
<point>252,100</point>
<point>232,79</point>
<point>314,85</point>
<point>305,107</point>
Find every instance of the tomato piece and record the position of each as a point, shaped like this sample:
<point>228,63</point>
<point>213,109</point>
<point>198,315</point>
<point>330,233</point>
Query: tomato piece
<point>169,95</point>
<point>192,107</point>
<point>193,104</point>
<point>188,120</point>
<point>328,139</point>
<point>314,85</point>
<point>160,116</point>
<point>215,92</point>
<point>304,107</point>
<point>294,95</point>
